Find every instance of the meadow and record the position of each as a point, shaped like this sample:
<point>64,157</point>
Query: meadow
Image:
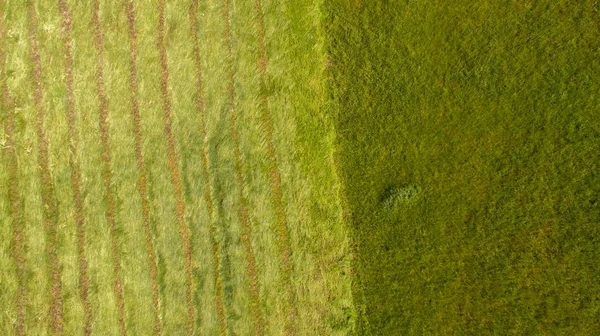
<point>468,136</point>
<point>330,167</point>
<point>167,168</point>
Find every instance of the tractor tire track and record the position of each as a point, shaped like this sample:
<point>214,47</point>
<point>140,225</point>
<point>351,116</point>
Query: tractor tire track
<point>173,168</point>
<point>107,174</point>
<point>142,177</point>
<point>254,286</point>
<point>84,278</point>
<point>208,193</point>
<point>285,249</point>
<point>14,193</point>
<point>48,197</point>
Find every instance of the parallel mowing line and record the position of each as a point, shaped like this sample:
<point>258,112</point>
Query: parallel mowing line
<point>208,196</point>
<point>48,198</point>
<point>84,279</point>
<point>107,175</point>
<point>254,286</point>
<point>142,180</point>
<point>175,175</point>
<point>285,249</point>
<point>14,193</point>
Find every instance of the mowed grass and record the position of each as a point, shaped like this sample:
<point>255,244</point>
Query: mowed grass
<point>488,113</point>
<point>143,188</point>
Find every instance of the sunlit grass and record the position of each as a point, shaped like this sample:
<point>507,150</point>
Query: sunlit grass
<point>303,141</point>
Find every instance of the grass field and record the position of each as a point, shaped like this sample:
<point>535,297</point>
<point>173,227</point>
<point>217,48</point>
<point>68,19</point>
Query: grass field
<point>469,136</point>
<point>169,170</point>
<point>330,167</point>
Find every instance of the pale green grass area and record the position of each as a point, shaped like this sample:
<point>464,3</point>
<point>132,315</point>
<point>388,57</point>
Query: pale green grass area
<point>303,140</point>
<point>8,278</point>
<point>98,252</point>
<point>214,55</point>
<point>254,160</point>
<point>188,136</point>
<point>168,244</point>
<point>298,107</point>
<point>136,280</point>
<point>19,84</point>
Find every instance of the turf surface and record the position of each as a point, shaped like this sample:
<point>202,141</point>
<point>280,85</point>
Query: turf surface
<point>335,167</point>
<point>168,170</point>
<point>469,137</point>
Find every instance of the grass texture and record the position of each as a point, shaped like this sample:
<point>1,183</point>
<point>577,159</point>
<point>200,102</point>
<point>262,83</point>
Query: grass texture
<point>169,170</point>
<point>331,167</point>
<point>490,110</point>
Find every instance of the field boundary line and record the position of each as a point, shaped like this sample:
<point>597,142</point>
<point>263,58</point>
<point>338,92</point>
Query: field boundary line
<point>107,159</point>
<point>48,197</point>
<point>142,177</point>
<point>347,221</point>
<point>254,285</point>
<point>14,193</point>
<point>173,168</point>
<point>285,249</point>
<point>208,193</point>
<point>84,279</point>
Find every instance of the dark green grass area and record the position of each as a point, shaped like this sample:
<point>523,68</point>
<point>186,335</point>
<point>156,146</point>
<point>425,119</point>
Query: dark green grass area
<point>469,137</point>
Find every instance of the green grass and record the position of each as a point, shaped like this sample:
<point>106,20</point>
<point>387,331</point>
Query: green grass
<point>490,108</point>
<point>321,275</point>
<point>439,167</point>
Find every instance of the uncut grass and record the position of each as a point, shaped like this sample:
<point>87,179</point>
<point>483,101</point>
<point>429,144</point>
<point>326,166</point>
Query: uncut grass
<point>492,111</point>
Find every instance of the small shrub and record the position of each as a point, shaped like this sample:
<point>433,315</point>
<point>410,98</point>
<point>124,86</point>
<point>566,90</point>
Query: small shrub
<point>396,197</point>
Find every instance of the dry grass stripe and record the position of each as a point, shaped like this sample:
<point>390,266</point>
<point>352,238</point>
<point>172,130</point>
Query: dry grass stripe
<point>254,286</point>
<point>107,174</point>
<point>84,279</point>
<point>284,245</point>
<point>208,193</point>
<point>14,193</point>
<point>174,169</point>
<point>16,204</point>
<point>48,198</point>
<point>142,182</point>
